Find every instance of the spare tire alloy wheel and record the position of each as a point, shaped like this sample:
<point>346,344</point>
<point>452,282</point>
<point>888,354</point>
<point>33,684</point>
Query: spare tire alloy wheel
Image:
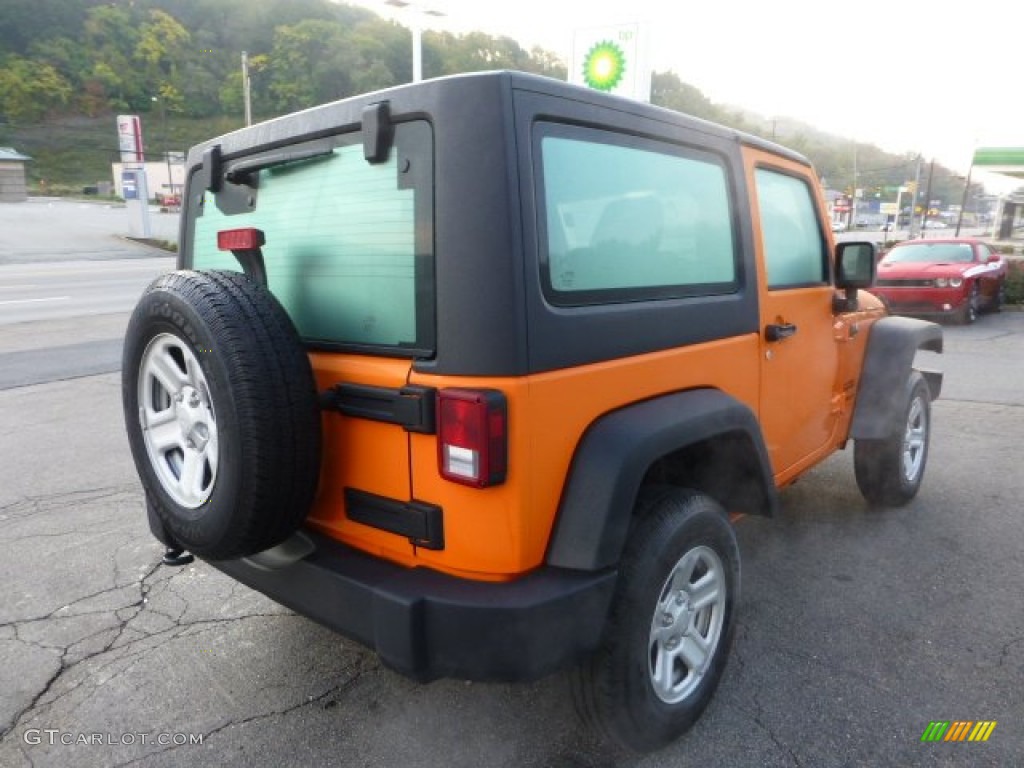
<point>222,414</point>
<point>671,624</point>
<point>178,422</point>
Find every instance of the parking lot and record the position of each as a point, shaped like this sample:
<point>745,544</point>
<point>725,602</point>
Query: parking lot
<point>858,627</point>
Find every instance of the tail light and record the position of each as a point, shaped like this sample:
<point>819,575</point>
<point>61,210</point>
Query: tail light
<point>472,446</point>
<point>247,239</point>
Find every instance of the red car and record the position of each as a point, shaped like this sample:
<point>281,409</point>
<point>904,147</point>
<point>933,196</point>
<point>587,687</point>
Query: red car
<point>951,277</point>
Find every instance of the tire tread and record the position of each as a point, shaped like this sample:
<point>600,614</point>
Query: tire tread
<point>272,392</point>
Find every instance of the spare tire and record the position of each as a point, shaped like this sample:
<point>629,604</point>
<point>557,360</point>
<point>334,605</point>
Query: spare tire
<point>221,411</point>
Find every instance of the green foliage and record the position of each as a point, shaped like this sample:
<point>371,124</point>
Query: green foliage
<point>161,52</point>
<point>183,56</point>
<point>311,63</point>
<point>29,88</point>
<point>1015,282</point>
<point>667,90</point>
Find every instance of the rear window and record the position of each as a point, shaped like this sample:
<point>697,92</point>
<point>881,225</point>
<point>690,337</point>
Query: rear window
<point>626,219</point>
<point>349,244</point>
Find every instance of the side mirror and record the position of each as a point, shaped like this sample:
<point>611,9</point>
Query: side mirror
<point>855,269</point>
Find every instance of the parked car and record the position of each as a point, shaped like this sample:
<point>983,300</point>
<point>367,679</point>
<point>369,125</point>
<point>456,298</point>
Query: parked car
<point>935,224</point>
<point>954,277</point>
<point>475,370</point>
<point>839,226</point>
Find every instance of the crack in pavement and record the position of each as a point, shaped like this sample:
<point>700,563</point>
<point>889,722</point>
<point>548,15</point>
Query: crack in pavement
<point>129,653</point>
<point>64,664</point>
<point>362,667</point>
<point>1005,650</point>
<point>757,716</point>
<point>34,505</point>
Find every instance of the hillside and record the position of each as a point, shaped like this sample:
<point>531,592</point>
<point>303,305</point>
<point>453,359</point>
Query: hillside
<point>68,66</point>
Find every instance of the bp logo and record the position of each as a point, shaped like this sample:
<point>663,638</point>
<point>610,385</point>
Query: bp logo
<point>603,66</point>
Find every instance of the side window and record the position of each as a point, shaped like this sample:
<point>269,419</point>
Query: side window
<point>632,220</point>
<point>349,251</point>
<point>795,252</point>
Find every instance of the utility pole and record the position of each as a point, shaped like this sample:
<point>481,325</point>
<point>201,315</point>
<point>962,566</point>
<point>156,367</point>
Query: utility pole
<point>246,92</point>
<point>912,231</point>
<point>853,202</point>
<point>963,201</point>
<point>927,198</point>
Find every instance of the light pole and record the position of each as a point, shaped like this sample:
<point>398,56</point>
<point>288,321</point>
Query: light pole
<point>246,89</point>
<point>163,136</point>
<point>417,33</point>
<point>963,202</point>
<point>899,201</point>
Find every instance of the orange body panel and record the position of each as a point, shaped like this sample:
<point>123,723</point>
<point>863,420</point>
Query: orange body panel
<point>359,453</point>
<point>808,381</point>
<point>504,531</point>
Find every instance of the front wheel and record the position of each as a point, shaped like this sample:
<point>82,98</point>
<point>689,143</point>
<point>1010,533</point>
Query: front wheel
<point>668,636</point>
<point>968,311</point>
<point>889,472</point>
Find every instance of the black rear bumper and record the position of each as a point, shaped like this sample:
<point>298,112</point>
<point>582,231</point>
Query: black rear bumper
<point>426,624</point>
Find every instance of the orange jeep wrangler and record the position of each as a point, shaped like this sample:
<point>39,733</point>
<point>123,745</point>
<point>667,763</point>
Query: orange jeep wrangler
<point>475,371</point>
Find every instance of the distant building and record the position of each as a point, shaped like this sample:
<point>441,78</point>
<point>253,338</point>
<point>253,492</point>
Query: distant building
<point>12,176</point>
<point>164,178</point>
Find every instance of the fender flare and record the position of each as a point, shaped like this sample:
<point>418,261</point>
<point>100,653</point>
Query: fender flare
<point>887,364</point>
<point>619,448</point>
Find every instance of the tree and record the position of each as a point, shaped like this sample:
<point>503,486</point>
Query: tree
<point>162,45</point>
<point>474,52</point>
<point>546,63</point>
<point>29,89</point>
<point>312,62</point>
<point>27,21</point>
<point>667,90</point>
<point>110,35</point>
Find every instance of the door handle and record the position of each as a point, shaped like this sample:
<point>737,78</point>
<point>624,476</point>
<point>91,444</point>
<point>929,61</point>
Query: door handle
<point>779,331</point>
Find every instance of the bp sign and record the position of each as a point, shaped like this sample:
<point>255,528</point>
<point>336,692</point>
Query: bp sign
<point>612,59</point>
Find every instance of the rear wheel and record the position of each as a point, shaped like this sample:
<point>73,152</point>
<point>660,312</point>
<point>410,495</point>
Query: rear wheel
<point>668,636</point>
<point>889,472</point>
<point>1000,297</point>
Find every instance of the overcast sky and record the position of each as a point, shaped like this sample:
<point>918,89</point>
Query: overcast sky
<point>906,75</point>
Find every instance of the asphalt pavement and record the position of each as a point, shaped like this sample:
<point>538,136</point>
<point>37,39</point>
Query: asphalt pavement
<point>53,229</point>
<point>69,276</point>
<point>857,627</point>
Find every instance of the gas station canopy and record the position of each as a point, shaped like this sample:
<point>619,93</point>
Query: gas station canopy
<point>1008,161</point>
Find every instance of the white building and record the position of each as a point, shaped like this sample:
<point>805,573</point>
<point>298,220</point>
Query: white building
<point>163,178</point>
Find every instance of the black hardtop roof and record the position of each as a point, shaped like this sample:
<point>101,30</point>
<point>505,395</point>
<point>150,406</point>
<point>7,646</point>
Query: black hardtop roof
<point>412,97</point>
